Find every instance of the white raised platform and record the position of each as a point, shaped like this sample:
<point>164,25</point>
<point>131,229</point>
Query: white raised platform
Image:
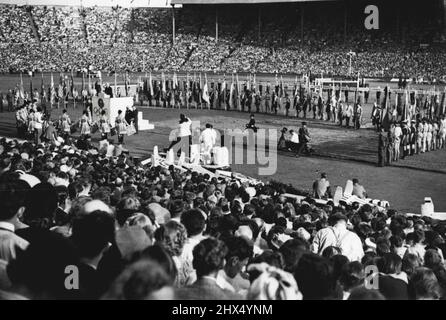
<point>144,124</point>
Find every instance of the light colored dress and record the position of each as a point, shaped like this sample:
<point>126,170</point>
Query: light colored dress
<point>84,124</point>
<point>65,123</point>
<point>104,124</point>
<point>121,125</point>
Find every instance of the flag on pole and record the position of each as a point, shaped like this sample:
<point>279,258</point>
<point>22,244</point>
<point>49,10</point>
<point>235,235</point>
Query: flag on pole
<point>42,90</point>
<point>127,82</point>
<point>72,84</point>
<point>281,93</point>
<point>239,106</point>
<point>151,84</point>
<point>53,90</point>
<point>231,96</point>
<point>31,85</point>
<point>163,84</point>
<point>22,90</point>
<point>206,91</point>
<point>385,113</point>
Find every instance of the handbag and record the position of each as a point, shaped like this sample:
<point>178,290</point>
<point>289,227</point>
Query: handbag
<point>131,129</point>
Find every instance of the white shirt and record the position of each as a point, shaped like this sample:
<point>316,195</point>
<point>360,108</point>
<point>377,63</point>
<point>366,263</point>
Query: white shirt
<point>294,137</point>
<point>208,137</point>
<point>184,129</point>
<point>398,133</point>
<point>38,120</point>
<point>10,242</point>
<point>338,236</point>
<point>187,254</point>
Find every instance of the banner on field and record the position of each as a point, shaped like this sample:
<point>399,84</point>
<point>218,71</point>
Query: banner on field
<point>111,106</point>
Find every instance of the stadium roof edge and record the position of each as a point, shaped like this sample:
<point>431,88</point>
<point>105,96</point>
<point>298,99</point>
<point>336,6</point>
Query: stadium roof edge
<point>183,2</point>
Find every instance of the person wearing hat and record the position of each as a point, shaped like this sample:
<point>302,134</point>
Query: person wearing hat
<point>304,138</point>
<point>337,235</point>
<point>413,137</point>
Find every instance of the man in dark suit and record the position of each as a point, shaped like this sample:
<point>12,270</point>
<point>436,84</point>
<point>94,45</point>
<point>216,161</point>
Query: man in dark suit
<point>209,259</point>
<point>135,118</point>
<point>108,90</point>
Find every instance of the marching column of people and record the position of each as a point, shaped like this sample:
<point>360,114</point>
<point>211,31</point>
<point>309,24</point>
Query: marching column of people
<point>408,138</point>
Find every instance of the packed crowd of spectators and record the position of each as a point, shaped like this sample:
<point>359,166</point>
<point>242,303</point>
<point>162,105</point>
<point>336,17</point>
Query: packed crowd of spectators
<point>141,38</point>
<point>138,232</point>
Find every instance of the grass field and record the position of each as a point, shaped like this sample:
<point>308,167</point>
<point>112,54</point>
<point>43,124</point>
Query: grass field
<point>342,153</point>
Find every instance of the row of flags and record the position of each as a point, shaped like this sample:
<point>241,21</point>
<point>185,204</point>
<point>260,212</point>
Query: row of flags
<point>434,105</point>
<point>199,89</point>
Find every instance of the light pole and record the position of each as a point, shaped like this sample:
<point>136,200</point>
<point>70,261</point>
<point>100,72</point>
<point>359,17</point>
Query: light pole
<point>350,55</point>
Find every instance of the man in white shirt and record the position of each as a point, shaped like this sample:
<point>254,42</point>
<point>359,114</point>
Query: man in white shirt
<point>338,236</point>
<point>208,141</point>
<point>38,121</point>
<point>349,115</point>
<point>195,224</point>
<point>184,135</point>
<point>442,132</point>
<point>230,277</point>
<point>397,139</point>
<point>11,207</point>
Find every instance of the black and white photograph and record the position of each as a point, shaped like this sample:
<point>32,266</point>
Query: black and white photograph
<point>236,151</point>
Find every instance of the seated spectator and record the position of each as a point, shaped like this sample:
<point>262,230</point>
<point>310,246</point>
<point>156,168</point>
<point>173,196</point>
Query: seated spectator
<point>273,284</point>
<point>232,277</point>
<point>315,278</point>
<point>363,293</point>
<point>93,235</point>
<point>351,276</point>
<point>143,280</point>
<point>209,259</point>
<point>39,272</point>
<point>358,190</point>
<point>393,284</point>
<point>11,208</point>
<point>337,235</point>
<point>424,285</point>
<point>172,236</point>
